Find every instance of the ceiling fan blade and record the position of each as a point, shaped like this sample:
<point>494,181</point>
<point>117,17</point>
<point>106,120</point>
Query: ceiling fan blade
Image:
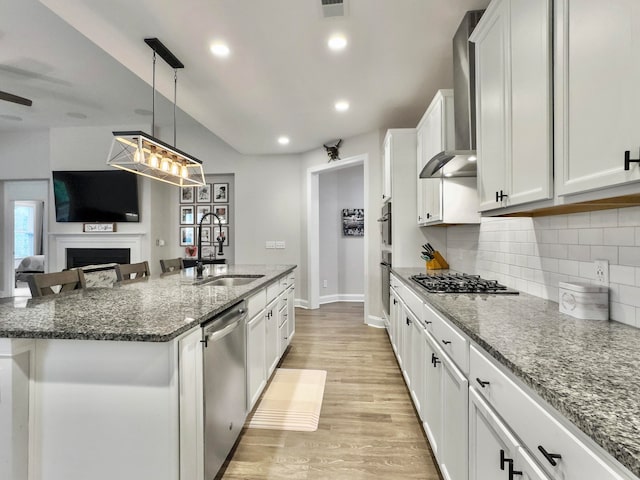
<point>15,99</point>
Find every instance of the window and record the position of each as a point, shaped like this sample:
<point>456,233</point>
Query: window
<point>24,230</point>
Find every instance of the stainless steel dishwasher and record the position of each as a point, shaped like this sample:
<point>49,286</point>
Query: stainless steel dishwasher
<point>224,384</point>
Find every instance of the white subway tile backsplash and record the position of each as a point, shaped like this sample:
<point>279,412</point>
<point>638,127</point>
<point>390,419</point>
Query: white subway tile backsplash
<point>604,253</point>
<point>622,274</point>
<point>620,236</point>
<point>629,256</point>
<point>604,218</point>
<point>591,236</point>
<point>629,217</point>
<point>568,236</point>
<point>534,254</point>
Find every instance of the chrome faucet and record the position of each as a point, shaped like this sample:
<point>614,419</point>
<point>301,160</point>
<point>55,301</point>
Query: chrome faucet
<point>219,239</point>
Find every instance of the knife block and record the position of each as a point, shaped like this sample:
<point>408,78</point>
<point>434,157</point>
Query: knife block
<point>438,262</point>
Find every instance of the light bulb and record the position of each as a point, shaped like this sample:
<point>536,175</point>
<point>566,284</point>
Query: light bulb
<point>154,161</point>
<point>184,171</point>
<point>136,156</point>
<point>165,165</point>
<point>175,169</point>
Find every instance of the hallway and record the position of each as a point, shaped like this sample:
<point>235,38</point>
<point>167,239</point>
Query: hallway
<point>368,428</point>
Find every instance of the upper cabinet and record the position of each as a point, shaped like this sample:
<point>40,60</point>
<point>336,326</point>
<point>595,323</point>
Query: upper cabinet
<point>439,199</point>
<point>514,103</point>
<point>597,94</point>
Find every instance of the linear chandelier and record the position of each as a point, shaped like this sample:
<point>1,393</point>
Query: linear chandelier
<point>143,154</point>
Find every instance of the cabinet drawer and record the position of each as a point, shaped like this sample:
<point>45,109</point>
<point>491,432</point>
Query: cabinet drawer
<point>256,303</point>
<point>413,302</point>
<point>273,290</point>
<point>394,282</point>
<point>449,339</point>
<point>536,427</point>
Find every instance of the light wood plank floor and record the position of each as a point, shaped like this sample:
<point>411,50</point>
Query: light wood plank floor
<point>368,428</point>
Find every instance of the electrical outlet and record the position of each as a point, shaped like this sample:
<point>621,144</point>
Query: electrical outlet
<point>280,244</point>
<point>602,272</point>
<point>325,284</point>
<point>270,244</point>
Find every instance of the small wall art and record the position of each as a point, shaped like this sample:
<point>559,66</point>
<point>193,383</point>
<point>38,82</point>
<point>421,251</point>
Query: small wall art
<point>353,222</point>
<point>186,195</point>
<point>201,211</point>
<point>221,192</point>
<point>186,236</point>
<point>203,193</point>
<point>221,211</point>
<point>186,214</point>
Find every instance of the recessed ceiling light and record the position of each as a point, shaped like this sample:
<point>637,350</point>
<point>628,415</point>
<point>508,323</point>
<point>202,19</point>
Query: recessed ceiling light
<point>283,140</point>
<point>342,106</point>
<point>220,50</point>
<point>337,42</point>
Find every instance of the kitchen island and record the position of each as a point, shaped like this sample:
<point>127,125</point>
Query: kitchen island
<point>585,370</point>
<point>93,382</point>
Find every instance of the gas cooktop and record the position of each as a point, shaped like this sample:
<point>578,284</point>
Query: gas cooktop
<point>460,283</point>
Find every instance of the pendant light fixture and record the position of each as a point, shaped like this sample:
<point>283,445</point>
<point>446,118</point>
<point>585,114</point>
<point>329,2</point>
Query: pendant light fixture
<point>143,154</point>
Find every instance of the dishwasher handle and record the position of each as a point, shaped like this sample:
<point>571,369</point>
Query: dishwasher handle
<point>224,323</point>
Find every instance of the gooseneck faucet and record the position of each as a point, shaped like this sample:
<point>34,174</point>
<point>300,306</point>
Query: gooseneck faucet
<point>220,240</point>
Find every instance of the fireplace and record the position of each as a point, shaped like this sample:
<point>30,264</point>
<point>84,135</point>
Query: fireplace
<point>80,257</point>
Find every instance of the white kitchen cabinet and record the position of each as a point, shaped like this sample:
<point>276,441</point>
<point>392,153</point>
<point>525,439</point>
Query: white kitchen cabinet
<point>271,336</point>
<point>430,197</point>
<point>597,95</point>
<point>525,464</point>
<point>418,365</point>
<point>432,411</point>
<point>513,103</point>
<point>282,330</point>
<point>393,320</point>
<point>256,358</point>
<point>455,403</point>
<point>406,323</point>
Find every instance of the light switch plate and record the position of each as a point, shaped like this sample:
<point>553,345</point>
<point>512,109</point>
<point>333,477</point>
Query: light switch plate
<point>280,244</point>
<point>270,244</point>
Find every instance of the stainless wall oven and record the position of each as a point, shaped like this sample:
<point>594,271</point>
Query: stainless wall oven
<point>385,264</point>
<point>385,224</point>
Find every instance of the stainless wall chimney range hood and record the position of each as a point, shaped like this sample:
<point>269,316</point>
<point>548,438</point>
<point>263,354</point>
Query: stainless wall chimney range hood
<point>460,161</point>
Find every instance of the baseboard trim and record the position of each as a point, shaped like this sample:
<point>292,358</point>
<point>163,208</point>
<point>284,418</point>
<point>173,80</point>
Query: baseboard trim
<point>300,303</point>
<point>376,322</point>
<point>342,298</point>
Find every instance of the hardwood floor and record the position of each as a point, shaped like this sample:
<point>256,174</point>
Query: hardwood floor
<point>368,428</point>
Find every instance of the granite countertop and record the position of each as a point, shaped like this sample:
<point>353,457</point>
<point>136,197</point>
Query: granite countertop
<point>157,309</point>
<point>588,370</point>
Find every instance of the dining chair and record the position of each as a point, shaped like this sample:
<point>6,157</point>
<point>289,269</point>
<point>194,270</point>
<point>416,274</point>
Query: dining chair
<point>43,284</point>
<point>131,272</point>
<point>171,265</point>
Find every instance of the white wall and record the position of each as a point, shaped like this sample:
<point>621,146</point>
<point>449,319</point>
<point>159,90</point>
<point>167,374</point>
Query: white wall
<point>341,258</point>
<point>25,155</point>
<point>534,254</point>
<point>371,144</point>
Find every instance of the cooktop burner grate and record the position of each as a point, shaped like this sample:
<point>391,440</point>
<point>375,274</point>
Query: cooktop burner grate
<point>460,283</point>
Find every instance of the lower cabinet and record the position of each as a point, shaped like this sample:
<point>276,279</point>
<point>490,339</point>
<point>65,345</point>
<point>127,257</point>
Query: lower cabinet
<point>256,355</point>
<point>271,338</point>
<point>454,444</point>
<point>432,394</point>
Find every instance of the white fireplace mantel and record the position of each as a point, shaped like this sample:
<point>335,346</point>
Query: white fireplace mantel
<point>61,241</point>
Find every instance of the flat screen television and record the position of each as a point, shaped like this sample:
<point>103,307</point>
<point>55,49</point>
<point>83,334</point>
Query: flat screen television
<point>96,196</point>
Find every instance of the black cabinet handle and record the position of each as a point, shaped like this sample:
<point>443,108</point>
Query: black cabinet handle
<point>503,460</point>
<point>434,360</point>
<point>408,321</point>
<point>513,472</point>
<point>395,301</point>
<point>502,195</point>
<point>427,322</point>
<point>628,160</point>
<point>497,198</point>
<point>482,383</point>
<point>446,342</point>
<point>551,457</point>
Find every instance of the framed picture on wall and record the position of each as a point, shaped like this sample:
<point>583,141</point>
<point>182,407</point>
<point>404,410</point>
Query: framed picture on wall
<point>206,235</point>
<point>186,236</point>
<point>203,193</point>
<point>201,211</point>
<point>353,222</point>
<point>221,211</point>
<point>186,195</point>
<point>186,214</point>
<point>221,192</point>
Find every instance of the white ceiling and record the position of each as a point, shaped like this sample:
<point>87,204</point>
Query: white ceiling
<point>280,79</point>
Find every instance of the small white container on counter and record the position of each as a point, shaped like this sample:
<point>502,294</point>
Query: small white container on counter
<point>584,300</point>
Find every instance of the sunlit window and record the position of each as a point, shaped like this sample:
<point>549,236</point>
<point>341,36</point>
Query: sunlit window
<point>24,231</point>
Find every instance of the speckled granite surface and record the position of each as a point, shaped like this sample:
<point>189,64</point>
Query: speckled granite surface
<point>587,370</point>
<point>153,310</point>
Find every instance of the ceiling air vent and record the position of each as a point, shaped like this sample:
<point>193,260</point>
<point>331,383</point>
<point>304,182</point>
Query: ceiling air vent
<point>333,8</point>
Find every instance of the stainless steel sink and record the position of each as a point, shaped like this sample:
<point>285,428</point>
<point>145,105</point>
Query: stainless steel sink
<point>230,280</point>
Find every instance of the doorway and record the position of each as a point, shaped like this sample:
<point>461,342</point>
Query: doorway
<point>313,227</point>
<point>25,234</point>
